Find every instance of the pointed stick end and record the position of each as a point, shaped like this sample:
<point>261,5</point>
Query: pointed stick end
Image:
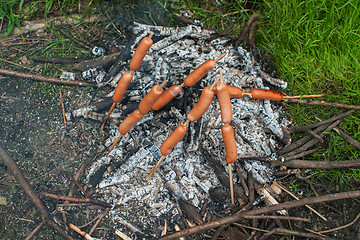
<point>220,57</point>
<point>231,184</point>
<point>155,167</point>
<point>116,141</point>
<point>151,35</point>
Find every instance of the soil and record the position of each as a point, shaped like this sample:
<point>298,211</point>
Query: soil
<point>49,154</point>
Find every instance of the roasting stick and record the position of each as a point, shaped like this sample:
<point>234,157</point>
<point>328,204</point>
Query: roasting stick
<point>227,131</point>
<point>144,107</point>
<point>274,95</point>
<point>178,134</point>
<point>119,93</point>
<point>189,81</point>
<point>126,78</point>
<point>265,94</point>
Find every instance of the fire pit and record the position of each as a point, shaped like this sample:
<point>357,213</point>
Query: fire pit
<point>193,173</point>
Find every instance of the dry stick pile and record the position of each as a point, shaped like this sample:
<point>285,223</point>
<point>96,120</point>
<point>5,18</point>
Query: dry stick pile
<point>290,154</point>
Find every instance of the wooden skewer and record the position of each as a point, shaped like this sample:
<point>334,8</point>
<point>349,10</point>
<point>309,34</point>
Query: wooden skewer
<point>116,141</point>
<point>108,115</point>
<point>82,233</point>
<point>231,184</point>
<point>305,96</point>
<point>215,82</point>
<point>155,167</point>
<point>163,156</point>
<point>220,57</point>
<point>221,76</point>
<point>151,35</point>
<point>162,84</point>
<point>297,96</point>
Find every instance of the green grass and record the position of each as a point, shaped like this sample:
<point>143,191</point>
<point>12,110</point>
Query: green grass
<point>13,12</point>
<point>314,46</point>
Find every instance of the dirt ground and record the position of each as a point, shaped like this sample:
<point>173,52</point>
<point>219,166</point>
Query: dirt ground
<point>49,154</point>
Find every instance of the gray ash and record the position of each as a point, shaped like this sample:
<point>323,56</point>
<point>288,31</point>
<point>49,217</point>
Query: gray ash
<point>185,173</point>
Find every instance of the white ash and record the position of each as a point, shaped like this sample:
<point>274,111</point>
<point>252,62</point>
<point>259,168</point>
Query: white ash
<point>184,171</point>
<point>98,51</point>
<point>67,76</point>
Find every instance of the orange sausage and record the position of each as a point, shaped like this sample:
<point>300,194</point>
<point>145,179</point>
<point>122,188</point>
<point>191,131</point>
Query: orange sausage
<point>234,91</point>
<point>122,86</point>
<point>130,121</point>
<point>166,97</point>
<point>203,104</point>
<point>140,53</point>
<point>199,73</point>
<point>223,96</point>
<point>173,139</point>
<point>230,143</point>
<point>150,98</point>
<point>266,94</point>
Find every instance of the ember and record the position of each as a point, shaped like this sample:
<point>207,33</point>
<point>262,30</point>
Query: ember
<point>187,173</point>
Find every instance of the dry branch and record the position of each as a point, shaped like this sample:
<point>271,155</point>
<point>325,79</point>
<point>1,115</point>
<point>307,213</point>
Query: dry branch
<point>296,129</point>
<point>268,209</point>
<point>72,199</point>
<point>45,79</point>
<point>45,214</point>
<point>323,103</point>
<point>318,164</point>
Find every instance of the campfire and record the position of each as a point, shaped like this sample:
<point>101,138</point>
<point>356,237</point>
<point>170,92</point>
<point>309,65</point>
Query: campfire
<point>195,172</point>
<point>148,186</point>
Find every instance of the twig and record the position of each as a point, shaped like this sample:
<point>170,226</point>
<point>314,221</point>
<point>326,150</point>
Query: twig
<point>296,129</point>
<point>247,26</point>
<point>45,214</point>
<point>122,235</point>
<point>278,217</point>
<point>346,137</point>
<point>342,227</point>
<point>63,108</point>
<point>45,79</point>
<point>16,64</point>
<point>300,155</point>
<point>318,164</point>
<point>291,194</point>
<point>35,230</point>
<point>325,104</point>
<point>58,60</point>
<point>313,141</point>
<point>81,43</point>
<point>267,209</point>
<point>72,199</point>
<point>102,215</point>
<point>283,231</point>
<point>82,233</point>
<point>299,142</point>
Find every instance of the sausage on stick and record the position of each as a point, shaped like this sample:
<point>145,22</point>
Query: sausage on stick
<point>170,142</point>
<point>201,71</point>
<point>179,133</point>
<point>231,153</point>
<point>140,52</point>
<point>258,93</point>
<point>203,104</point>
<point>227,130</point>
<point>223,96</point>
<point>167,96</point>
<point>127,124</point>
<point>144,107</point>
<point>148,101</point>
<point>119,93</point>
